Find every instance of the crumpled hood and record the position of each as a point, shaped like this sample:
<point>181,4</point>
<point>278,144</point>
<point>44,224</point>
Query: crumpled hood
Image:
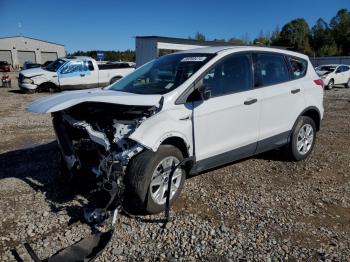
<point>323,73</point>
<point>35,72</point>
<point>68,99</point>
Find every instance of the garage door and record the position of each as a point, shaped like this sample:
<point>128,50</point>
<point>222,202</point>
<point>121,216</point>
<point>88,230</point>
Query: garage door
<point>5,55</point>
<point>48,56</point>
<point>24,56</point>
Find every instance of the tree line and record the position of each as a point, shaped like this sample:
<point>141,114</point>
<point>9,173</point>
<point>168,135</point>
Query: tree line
<point>127,55</point>
<point>323,39</point>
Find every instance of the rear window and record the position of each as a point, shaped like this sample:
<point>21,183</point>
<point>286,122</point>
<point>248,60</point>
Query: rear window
<point>270,69</point>
<point>298,67</point>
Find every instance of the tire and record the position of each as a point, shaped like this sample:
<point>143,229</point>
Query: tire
<point>30,91</point>
<point>347,85</point>
<point>115,79</point>
<point>330,84</point>
<point>300,146</point>
<point>145,168</point>
<point>48,87</point>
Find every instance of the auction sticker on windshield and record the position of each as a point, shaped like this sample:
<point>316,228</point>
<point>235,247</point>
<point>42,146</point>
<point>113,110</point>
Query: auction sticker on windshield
<point>193,59</point>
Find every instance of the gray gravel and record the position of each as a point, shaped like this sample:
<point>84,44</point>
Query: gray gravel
<point>263,208</point>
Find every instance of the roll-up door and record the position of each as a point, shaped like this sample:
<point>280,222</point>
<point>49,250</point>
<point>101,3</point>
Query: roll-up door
<point>24,56</point>
<point>5,55</point>
<point>48,56</point>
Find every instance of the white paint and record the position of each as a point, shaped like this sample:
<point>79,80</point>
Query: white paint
<point>221,124</point>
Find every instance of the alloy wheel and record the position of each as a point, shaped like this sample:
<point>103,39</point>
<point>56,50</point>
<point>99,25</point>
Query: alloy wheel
<point>305,139</point>
<point>159,182</point>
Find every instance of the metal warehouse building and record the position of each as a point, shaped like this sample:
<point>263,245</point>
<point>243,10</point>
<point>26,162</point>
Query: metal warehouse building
<point>19,49</point>
<point>151,47</point>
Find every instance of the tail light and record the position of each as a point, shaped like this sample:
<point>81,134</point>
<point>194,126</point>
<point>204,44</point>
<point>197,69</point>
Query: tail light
<point>319,82</point>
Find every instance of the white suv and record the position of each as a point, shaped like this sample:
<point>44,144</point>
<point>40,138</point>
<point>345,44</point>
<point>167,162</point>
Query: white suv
<point>334,75</point>
<point>213,105</point>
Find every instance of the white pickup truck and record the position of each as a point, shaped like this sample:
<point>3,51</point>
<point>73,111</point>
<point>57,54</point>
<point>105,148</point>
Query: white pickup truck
<point>73,73</point>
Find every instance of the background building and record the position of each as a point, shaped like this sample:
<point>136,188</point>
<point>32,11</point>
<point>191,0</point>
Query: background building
<point>19,49</point>
<point>151,47</point>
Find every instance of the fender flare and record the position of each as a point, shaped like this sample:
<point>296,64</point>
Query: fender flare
<point>167,135</point>
<point>301,114</point>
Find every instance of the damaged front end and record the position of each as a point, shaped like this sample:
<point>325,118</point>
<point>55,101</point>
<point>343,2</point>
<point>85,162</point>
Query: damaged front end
<point>94,140</point>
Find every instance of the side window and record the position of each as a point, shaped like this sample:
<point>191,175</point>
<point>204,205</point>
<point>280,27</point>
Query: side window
<point>72,67</point>
<point>231,75</point>
<point>339,69</point>
<point>298,67</point>
<point>90,66</point>
<point>270,69</point>
<point>345,68</point>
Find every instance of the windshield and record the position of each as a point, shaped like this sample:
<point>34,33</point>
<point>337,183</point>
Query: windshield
<point>162,75</point>
<point>55,65</point>
<point>326,68</point>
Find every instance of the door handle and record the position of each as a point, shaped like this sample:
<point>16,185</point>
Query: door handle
<point>250,101</point>
<point>294,91</point>
<point>189,117</point>
<point>82,75</point>
<point>54,76</point>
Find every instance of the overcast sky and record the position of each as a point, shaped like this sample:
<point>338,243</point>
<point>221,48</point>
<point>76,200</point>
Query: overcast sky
<point>111,25</point>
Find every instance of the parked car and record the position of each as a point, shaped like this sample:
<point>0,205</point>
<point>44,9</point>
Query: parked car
<point>29,65</point>
<point>4,66</point>
<point>71,73</point>
<point>334,75</point>
<point>211,105</point>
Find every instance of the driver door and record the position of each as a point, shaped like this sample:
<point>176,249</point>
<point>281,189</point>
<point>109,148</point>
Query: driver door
<point>76,75</point>
<point>226,126</point>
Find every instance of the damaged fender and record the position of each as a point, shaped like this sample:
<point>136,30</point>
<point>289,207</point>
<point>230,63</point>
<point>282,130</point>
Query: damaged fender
<point>168,123</point>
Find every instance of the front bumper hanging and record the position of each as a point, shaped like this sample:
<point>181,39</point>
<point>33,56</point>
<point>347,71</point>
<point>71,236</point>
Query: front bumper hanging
<point>89,248</point>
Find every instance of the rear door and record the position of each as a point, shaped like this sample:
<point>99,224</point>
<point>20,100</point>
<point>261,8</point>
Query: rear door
<point>344,74</point>
<point>347,74</point>
<point>226,126</point>
<point>282,97</point>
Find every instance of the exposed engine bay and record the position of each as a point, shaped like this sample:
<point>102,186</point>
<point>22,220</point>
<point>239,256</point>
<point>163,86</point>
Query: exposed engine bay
<point>94,139</point>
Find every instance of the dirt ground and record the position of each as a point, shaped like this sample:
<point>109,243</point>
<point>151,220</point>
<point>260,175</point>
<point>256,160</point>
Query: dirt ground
<point>261,208</point>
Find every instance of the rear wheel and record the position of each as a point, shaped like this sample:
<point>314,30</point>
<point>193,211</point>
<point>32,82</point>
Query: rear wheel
<point>302,139</point>
<point>330,84</point>
<point>147,179</point>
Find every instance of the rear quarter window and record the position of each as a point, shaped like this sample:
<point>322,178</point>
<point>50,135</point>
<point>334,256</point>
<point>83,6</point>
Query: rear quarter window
<point>298,67</point>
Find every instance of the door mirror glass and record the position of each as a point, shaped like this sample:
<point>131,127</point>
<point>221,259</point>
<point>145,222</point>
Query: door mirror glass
<point>205,92</point>
<point>201,93</point>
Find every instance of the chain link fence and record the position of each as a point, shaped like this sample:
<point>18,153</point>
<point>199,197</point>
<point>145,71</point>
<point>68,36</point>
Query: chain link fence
<point>316,61</point>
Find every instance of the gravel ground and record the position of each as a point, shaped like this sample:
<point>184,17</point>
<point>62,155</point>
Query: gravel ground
<point>263,208</point>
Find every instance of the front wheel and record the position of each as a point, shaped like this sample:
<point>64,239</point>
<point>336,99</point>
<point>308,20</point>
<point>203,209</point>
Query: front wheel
<point>147,179</point>
<point>302,139</point>
<point>115,79</point>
